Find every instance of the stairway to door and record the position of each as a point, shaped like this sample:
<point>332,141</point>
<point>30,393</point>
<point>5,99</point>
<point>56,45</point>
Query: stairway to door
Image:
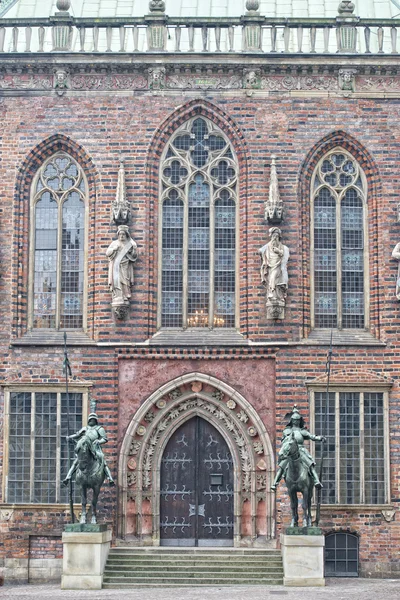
<point>191,567</point>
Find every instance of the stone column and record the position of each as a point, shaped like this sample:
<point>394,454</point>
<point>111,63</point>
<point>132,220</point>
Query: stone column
<point>84,556</point>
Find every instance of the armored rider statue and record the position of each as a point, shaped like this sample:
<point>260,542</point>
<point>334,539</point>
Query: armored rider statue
<point>97,437</point>
<point>297,427</point>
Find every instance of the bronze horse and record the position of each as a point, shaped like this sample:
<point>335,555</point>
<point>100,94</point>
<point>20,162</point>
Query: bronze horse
<point>89,475</point>
<point>298,479</point>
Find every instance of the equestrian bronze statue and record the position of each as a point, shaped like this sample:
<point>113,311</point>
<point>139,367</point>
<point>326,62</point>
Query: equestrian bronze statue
<point>297,467</point>
<point>90,467</point>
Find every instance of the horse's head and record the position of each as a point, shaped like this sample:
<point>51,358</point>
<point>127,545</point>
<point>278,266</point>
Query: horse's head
<point>292,445</point>
<point>84,451</point>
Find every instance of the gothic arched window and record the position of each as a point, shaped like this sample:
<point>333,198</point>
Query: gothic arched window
<point>198,215</point>
<point>58,216</point>
<point>339,243</point>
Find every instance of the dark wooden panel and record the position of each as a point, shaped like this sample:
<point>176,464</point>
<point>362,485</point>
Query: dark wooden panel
<point>196,504</point>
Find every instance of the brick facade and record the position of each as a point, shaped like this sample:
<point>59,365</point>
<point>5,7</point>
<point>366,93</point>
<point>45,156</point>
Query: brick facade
<point>96,130</point>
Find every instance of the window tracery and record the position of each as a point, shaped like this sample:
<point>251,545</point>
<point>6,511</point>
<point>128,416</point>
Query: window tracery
<point>339,243</point>
<point>58,211</point>
<point>198,186</point>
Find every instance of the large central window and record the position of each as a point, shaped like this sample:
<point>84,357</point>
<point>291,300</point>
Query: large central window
<point>198,186</point>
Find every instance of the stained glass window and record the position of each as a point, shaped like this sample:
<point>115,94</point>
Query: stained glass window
<point>354,459</point>
<point>59,244</point>
<point>339,197</point>
<point>198,232</point>
<point>37,453</point>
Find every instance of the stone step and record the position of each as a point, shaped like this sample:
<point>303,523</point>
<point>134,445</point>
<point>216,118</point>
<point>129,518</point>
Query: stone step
<point>177,569</point>
<point>190,560</point>
<point>192,584</point>
<point>194,567</point>
<point>180,581</point>
<point>192,550</point>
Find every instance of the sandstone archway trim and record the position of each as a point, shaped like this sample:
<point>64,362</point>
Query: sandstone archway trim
<point>153,424</point>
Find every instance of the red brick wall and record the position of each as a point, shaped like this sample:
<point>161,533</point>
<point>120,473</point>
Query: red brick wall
<point>96,130</point>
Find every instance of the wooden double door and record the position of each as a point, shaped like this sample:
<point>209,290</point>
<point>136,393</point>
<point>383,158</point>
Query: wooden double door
<point>196,496</point>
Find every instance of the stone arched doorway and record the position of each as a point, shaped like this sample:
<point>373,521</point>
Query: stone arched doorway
<point>196,481</point>
<point>151,429</point>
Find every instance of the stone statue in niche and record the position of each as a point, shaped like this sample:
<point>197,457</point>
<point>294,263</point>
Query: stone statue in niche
<point>274,276</point>
<point>122,254</point>
<point>396,255</point>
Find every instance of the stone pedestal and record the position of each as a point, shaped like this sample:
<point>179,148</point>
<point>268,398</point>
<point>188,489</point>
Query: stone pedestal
<point>303,559</point>
<point>84,558</point>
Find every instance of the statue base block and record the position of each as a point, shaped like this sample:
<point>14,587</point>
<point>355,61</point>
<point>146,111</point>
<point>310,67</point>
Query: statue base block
<point>85,527</point>
<point>303,531</point>
<point>303,558</point>
<point>84,557</point>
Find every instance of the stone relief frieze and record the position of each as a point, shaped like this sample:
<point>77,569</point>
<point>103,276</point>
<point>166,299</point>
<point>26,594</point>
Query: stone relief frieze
<point>192,81</point>
<point>108,82</point>
<point>292,82</point>
<point>26,81</point>
<point>379,84</point>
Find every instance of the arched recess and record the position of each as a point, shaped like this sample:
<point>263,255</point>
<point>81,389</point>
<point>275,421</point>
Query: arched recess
<point>25,176</point>
<point>196,394</point>
<point>341,140</point>
<point>212,112</point>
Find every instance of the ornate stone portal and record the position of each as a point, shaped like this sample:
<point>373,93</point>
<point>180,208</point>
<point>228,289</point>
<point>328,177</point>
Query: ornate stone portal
<point>147,436</point>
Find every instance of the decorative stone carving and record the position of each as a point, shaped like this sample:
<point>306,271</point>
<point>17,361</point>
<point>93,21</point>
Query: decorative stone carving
<point>274,204</point>
<point>258,447</point>
<point>28,81</point>
<point>396,256</point>
<point>252,79</point>
<point>134,81</point>
<point>203,82</point>
<point>157,6</point>
<point>252,5</point>
<point>347,80</point>
<point>135,447</point>
<point>122,254</point>
<point>149,416</point>
<point>274,276</point>
<point>292,82</point>
<point>131,478</point>
<point>63,5</point>
<point>231,404</point>
<point>346,8</point>
<point>197,386</point>
<point>157,78</point>
<point>176,393</point>
<point>120,206</point>
<point>388,515</point>
<point>61,81</point>
<point>132,464</point>
<point>218,395</point>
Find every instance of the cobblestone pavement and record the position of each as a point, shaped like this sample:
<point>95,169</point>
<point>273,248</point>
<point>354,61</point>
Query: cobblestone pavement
<point>336,589</point>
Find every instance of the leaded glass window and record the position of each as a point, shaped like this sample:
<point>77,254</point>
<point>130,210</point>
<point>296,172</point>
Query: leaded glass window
<point>353,423</point>
<point>339,243</point>
<point>37,450</point>
<point>198,187</point>
<point>58,242</point>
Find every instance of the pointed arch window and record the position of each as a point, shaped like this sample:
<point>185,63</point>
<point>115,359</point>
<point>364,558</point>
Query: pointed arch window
<point>339,243</point>
<point>58,241</point>
<point>198,214</point>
